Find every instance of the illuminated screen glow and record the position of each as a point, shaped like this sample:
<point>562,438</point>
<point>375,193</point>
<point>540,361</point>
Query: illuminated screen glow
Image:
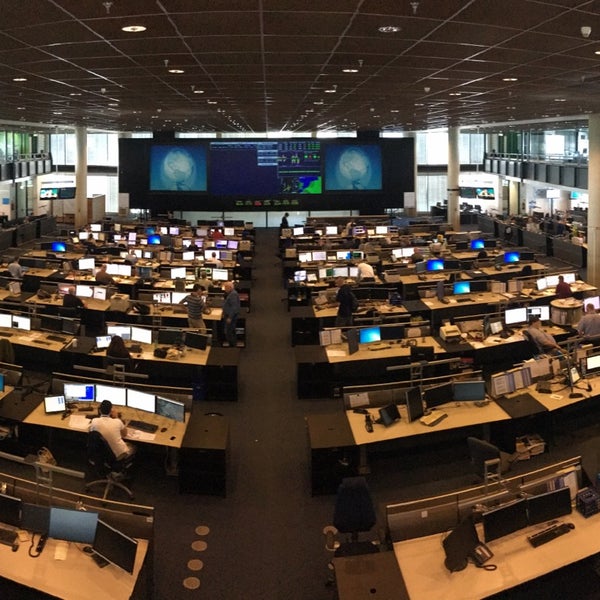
<point>477,244</point>
<point>353,167</point>
<point>178,168</point>
<point>370,334</point>
<point>435,265</point>
<point>461,287</point>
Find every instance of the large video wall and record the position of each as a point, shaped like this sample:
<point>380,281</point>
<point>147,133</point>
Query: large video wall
<point>302,174</point>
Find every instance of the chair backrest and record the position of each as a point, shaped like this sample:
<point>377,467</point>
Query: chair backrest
<point>99,453</point>
<point>354,511</point>
<point>535,349</point>
<point>480,451</point>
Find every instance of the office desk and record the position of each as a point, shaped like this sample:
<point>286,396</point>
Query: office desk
<point>375,576</point>
<point>70,256</point>
<point>460,414</point>
<point>55,300</point>
<point>89,278</point>
<point>39,273</point>
<point>338,353</point>
<point>421,561</point>
<point>506,272</point>
<point>76,578</point>
<point>172,437</point>
<point>330,311</point>
<point>177,311</point>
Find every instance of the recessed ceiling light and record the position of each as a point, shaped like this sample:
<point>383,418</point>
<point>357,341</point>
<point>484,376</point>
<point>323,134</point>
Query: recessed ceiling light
<point>211,102</point>
<point>19,78</point>
<point>389,29</point>
<point>74,94</point>
<point>560,99</point>
<point>20,108</point>
<point>176,71</point>
<point>198,91</point>
<point>133,28</point>
<point>454,94</point>
<point>510,79</point>
<point>349,70</point>
<point>331,91</point>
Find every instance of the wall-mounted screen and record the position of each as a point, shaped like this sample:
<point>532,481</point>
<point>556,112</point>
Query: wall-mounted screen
<point>178,168</point>
<point>268,167</point>
<point>48,193</point>
<point>353,167</point>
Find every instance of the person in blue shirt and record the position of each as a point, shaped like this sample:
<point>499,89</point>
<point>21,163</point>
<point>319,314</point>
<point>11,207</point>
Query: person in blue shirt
<point>231,311</point>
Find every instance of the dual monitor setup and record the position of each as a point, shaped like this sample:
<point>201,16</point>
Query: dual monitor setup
<point>141,335</point>
<point>78,526</point>
<point>76,393</point>
<point>463,542</point>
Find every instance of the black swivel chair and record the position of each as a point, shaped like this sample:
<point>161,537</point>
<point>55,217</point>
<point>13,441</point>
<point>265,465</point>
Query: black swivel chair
<point>104,464</point>
<point>354,514</point>
<point>533,346</point>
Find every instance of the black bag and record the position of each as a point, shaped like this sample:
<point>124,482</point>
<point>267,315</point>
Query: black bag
<point>142,309</point>
<point>355,303</point>
<point>160,352</point>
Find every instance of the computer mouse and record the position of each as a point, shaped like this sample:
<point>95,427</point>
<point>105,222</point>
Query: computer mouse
<point>88,549</point>
<point>163,429</point>
<point>570,525</point>
<point>172,437</point>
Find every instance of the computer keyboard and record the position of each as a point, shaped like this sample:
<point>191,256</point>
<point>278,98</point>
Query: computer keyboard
<point>548,534</point>
<point>55,338</point>
<point>463,299</point>
<point>5,334</point>
<point>143,426</point>
<point>7,536</point>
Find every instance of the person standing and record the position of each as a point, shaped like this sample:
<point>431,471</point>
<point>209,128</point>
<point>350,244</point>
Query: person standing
<point>231,311</point>
<point>284,222</point>
<point>346,300</point>
<point>195,303</point>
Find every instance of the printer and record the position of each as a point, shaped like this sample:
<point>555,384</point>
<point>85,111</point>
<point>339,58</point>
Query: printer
<point>450,333</point>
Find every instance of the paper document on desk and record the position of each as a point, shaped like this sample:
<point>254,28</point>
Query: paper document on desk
<point>79,422</point>
<point>142,436</point>
<point>334,353</point>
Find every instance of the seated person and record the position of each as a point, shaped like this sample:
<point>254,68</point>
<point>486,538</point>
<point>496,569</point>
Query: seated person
<point>417,256</point>
<point>544,341</point>
<point>113,430</point>
<point>70,300</point>
<point>130,258</point>
<point>482,254</point>
<point>365,271</point>
<point>214,260</point>
<point>103,277</point>
<point>589,326</point>
<point>563,289</point>
<point>15,269</point>
<point>117,348</point>
<point>192,247</point>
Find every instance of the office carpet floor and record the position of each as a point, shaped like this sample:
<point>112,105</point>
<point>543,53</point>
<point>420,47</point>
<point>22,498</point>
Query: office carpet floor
<point>264,540</point>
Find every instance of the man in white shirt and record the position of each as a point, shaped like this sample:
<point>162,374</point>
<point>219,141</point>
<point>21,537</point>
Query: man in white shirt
<point>365,272</point>
<point>15,269</point>
<point>589,326</point>
<point>113,430</point>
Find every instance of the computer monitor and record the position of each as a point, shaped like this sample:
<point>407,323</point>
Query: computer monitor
<point>99,292</point>
<point>141,335</point>
<point>178,273</point>
<point>141,400</point>
<point>319,255</point>
<point>84,291</point>
<point>298,230</point>
<point>477,244</point>
<point>541,284</point>
<point>196,340</point>
<point>86,264</point>
<point>79,392</point>
<point>73,525</point>
<point>10,510</point>
<point>461,287</point>
<point>381,229</point>
<point>117,395</point>
<point>504,520</point>
<point>511,257</point>
<point>54,404</point>
<point>343,254</point>
<point>468,391</point>
<point>123,331</point>
<point>154,239</point>
<point>59,247</point>
<point>368,335</point>
<point>414,404</point>
<point>542,311</point>
<point>35,517</point>
<point>570,277</point>
<point>162,297</point>
<point>220,275</point>
<point>422,353</point>
<point>115,547</point>
<point>551,280</point>
<point>299,276</point>
<point>173,230</point>
<point>331,230</point>
<point>220,244</point>
<point>304,257</point>
<point>389,414</point>
<point>592,364</point>
<point>188,255</point>
<point>515,316</point>
<point>171,337</point>
<point>340,271</point>
<point>438,395</point>
<point>232,244</point>
<point>548,506</point>
<point>171,409</point>
<point>20,322</point>
<point>6,320</point>
<point>420,267</point>
<point>435,264</point>
<point>459,545</point>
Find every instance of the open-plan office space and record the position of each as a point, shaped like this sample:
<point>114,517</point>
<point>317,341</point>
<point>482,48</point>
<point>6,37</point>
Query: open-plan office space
<point>375,127</point>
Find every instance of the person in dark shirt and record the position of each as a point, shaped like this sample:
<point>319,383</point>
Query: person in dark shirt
<point>70,300</point>
<point>417,256</point>
<point>103,277</point>
<point>563,289</point>
<point>195,302</point>
<point>231,311</point>
<point>284,221</point>
<point>345,297</point>
<point>117,348</point>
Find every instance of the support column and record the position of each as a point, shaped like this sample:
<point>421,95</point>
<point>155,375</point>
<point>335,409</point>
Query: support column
<point>81,216</point>
<point>453,172</point>
<point>593,230</point>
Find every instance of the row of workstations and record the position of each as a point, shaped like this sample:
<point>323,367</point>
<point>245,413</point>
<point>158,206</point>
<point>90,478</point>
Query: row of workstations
<point>436,544</point>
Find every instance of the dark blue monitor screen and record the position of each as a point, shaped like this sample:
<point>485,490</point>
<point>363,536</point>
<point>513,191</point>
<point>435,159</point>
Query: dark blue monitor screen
<point>72,525</point>
<point>154,239</point>
<point>468,391</point>
<point>435,264</point>
<point>353,167</point>
<point>477,244</point>
<point>59,247</point>
<point>178,168</point>
<point>371,334</point>
<point>461,287</point>
<point>265,167</point>
<point>511,257</point>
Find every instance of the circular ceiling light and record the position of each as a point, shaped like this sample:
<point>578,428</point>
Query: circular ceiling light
<point>133,28</point>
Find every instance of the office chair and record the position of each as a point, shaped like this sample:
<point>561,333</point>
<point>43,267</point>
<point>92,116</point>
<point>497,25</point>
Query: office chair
<point>117,368</point>
<point>488,461</point>
<point>532,344</point>
<point>104,463</point>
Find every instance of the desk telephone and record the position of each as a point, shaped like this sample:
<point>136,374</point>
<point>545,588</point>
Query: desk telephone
<point>481,554</point>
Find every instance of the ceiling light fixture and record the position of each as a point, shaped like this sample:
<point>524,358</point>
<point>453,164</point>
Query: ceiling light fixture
<point>133,28</point>
<point>349,70</point>
<point>389,29</point>
<point>19,79</point>
<point>510,79</point>
<point>176,71</point>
